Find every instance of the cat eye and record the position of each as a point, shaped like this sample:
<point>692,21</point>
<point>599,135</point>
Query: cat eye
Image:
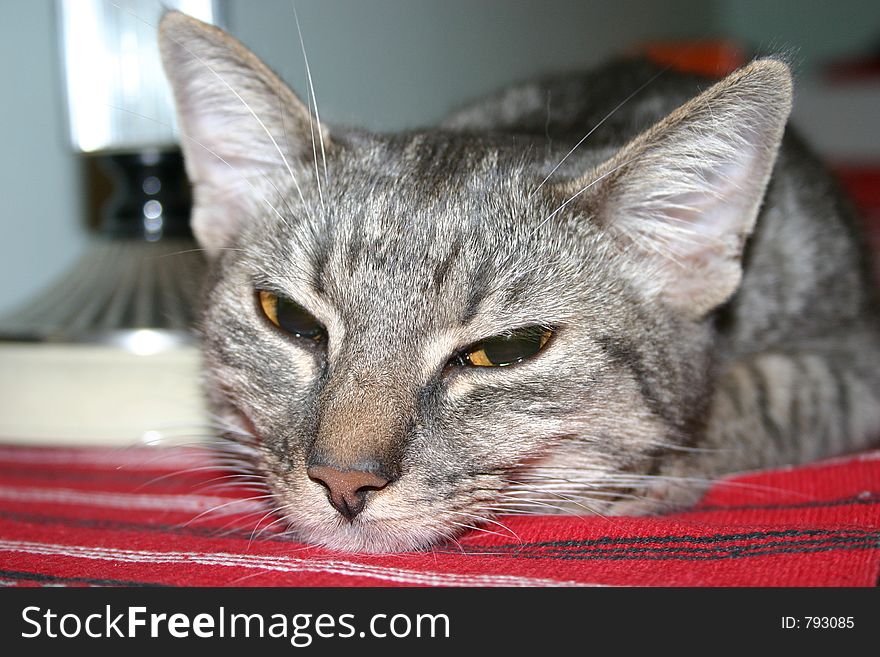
<point>290,317</point>
<point>508,349</point>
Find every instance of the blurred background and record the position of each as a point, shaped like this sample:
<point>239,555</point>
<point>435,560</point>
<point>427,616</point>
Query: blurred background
<point>392,64</point>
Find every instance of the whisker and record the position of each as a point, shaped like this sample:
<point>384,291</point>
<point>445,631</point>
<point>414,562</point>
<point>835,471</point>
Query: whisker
<point>547,505</point>
<point>220,506</point>
<point>488,520</point>
<point>314,99</point>
<point>237,520</point>
<point>169,475</point>
<point>256,533</point>
<point>596,127</point>
<point>477,528</point>
<point>185,251</point>
<point>581,191</point>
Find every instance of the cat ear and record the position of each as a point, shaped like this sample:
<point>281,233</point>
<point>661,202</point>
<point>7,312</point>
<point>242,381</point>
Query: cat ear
<point>239,122</point>
<point>684,195</point>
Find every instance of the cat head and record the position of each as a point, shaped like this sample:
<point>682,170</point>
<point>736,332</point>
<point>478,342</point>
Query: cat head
<point>410,334</point>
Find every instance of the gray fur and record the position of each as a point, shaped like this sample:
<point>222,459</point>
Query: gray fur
<point>704,320</point>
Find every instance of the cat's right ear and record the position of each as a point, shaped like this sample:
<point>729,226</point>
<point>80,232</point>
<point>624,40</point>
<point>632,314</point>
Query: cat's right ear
<point>239,123</point>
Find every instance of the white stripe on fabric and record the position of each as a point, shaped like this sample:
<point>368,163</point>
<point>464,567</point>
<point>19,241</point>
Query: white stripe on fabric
<point>138,458</point>
<point>279,564</point>
<point>165,502</point>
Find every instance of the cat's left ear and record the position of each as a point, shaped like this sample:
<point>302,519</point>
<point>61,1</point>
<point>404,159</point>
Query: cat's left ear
<point>683,197</point>
<point>239,122</point>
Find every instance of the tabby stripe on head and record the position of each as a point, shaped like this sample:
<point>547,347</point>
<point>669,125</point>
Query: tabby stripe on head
<point>320,257</point>
<point>479,289</point>
<point>442,271</point>
<point>355,249</point>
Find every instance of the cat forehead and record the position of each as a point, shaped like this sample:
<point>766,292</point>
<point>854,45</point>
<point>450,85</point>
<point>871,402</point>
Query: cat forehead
<point>444,182</point>
<point>402,201</point>
<point>377,268</point>
<point>458,167</point>
<point>441,222</point>
<point>391,248</point>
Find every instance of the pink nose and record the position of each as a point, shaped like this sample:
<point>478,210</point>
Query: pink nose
<point>347,488</point>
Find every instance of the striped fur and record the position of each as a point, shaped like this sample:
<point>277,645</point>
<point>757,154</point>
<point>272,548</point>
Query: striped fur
<point>708,316</point>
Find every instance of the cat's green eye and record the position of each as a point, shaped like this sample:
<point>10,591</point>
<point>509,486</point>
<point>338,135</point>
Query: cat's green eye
<point>507,349</point>
<point>290,317</point>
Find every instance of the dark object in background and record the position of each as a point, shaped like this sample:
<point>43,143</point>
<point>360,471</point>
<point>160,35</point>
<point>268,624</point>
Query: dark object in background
<point>152,197</point>
<point>143,270</point>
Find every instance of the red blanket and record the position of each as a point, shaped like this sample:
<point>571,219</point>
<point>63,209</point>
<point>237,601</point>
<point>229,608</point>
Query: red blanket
<point>110,517</point>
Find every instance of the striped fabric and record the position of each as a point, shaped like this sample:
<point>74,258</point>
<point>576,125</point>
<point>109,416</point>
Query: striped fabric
<point>161,517</point>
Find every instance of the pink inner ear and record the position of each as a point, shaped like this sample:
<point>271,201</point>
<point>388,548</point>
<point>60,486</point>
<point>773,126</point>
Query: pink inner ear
<point>686,204</point>
<point>714,217</point>
<point>691,225</point>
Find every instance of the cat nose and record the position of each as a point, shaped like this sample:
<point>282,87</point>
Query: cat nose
<point>347,488</point>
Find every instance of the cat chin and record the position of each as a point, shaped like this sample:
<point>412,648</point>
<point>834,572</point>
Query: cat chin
<point>369,536</point>
<point>376,542</point>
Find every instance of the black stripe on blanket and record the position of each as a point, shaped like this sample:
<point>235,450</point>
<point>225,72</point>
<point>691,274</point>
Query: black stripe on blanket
<point>15,576</point>
<point>688,548</point>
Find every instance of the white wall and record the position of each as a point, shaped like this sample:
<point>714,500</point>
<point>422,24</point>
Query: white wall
<point>389,64</point>
<point>41,209</point>
<point>840,120</point>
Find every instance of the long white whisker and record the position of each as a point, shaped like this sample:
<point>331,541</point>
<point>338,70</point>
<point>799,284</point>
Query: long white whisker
<point>220,506</point>
<point>509,494</point>
<point>479,518</point>
<point>579,192</point>
<point>176,473</point>
<point>257,532</point>
<point>478,529</point>
<point>541,503</point>
<point>314,102</point>
<point>596,127</point>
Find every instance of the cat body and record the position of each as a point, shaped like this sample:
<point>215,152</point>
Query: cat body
<point>407,335</point>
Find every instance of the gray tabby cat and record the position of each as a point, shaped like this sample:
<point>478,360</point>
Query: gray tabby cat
<point>406,335</point>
